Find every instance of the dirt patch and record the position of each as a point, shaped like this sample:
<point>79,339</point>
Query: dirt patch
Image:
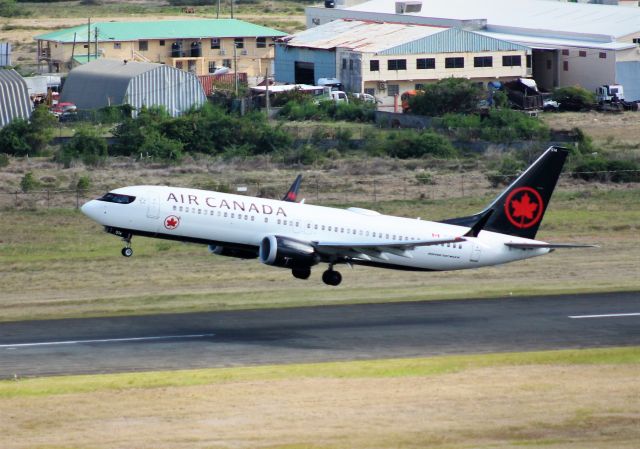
<point>602,127</point>
<point>565,406</point>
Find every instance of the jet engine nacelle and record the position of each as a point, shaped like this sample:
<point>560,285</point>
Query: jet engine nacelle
<point>287,253</point>
<point>232,252</point>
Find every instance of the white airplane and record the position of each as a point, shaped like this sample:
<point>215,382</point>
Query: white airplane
<point>298,236</point>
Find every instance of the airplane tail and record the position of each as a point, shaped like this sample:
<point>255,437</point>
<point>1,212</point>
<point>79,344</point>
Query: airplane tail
<point>292,193</point>
<point>519,209</point>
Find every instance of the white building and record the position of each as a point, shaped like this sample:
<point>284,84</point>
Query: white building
<point>573,44</point>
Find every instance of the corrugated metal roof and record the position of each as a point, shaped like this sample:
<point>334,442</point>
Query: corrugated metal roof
<point>5,54</point>
<point>163,29</point>
<point>112,82</point>
<point>548,43</point>
<point>14,97</point>
<point>527,16</point>
<point>453,40</point>
<point>359,35</point>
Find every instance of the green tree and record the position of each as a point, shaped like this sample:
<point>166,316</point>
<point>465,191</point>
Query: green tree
<point>9,8</point>
<point>13,138</point>
<point>42,128</point>
<point>447,95</point>
<point>416,145</point>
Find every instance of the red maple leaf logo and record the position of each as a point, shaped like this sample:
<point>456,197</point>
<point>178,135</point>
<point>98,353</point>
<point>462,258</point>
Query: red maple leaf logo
<point>524,207</point>
<point>291,196</point>
<point>171,222</point>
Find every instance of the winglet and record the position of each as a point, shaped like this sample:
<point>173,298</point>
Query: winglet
<point>292,194</point>
<point>480,224</point>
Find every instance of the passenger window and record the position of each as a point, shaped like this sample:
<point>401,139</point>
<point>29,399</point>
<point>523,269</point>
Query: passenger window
<point>266,219</point>
<point>279,221</point>
<point>246,217</point>
<point>329,228</point>
<point>323,227</point>
<point>374,234</point>
<point>284,222</point>
<point>233,215</point>
<point>253,218</point>
<point>175,207</point>
<point>225,215</point>
<point>315,226</point>
<point>297,224</point>
<point>180,209</point>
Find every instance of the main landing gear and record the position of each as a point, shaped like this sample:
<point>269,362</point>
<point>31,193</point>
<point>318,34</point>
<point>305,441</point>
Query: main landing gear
<point>127,251</point>
<point>331,277</point>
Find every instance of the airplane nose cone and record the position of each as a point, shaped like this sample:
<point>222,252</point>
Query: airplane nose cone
<point>90,209</point>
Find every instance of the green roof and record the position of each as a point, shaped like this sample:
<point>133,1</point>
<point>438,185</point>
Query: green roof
<point>453,40</point>
<point>162,29</point>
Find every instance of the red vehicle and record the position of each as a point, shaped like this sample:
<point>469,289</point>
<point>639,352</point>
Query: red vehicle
<point>63,108</point>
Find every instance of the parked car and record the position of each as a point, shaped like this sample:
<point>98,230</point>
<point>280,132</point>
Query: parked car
<point>63,108</point>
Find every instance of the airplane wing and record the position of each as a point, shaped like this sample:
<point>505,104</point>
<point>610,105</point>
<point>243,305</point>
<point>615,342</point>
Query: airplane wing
<point>379,250</point>
<point>548,245</point>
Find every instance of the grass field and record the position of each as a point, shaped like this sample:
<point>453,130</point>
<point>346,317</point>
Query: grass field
<point>57,263</point>
<point>562,399</point>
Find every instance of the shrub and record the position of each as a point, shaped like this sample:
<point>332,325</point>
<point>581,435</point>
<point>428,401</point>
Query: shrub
<point>574,98</point>
<point>85,145</point>
<point>445,96</point>
<point>4,160</point>
<point>83,184</point>
<point>9,8</point>
<point>416,145</point>
<point>28,182</point>
<point>602,169</point>
<point>506,172</point>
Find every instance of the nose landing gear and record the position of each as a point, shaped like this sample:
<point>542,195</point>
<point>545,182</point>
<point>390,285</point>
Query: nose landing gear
<point>331,277</point>
<point>127,251</point>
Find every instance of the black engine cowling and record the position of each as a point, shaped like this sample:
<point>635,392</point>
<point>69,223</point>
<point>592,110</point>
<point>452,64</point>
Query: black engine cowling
<point>286,252</point>
<point>232,252</point>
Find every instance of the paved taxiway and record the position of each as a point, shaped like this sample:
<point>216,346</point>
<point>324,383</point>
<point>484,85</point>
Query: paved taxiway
<point>313,334</point>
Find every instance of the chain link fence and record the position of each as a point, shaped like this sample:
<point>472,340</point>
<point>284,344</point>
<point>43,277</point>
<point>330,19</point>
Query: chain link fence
<point>346,190</point>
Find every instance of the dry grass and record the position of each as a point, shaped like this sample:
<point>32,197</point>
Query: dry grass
<point>558,405</point>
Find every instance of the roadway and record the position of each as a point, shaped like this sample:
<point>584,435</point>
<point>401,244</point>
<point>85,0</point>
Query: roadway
<point>317,334</point>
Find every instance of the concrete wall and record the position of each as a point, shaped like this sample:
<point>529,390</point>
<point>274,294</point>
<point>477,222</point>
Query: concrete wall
<point>588,71</point>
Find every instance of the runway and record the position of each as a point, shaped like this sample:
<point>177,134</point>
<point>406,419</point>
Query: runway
<point>318,334</point>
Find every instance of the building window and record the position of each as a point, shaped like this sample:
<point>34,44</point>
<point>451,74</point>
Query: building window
<point>425,63</point>
<point>397,64</point>
<point>212,66</point>
<point>179,65</point>
<point>393,89</point>
<point>261,42</point>
<point>374,65</point>
<point>117,45</point>
<point>603,55</point>
<point>582,54</point>
<point>528,61</point>
<point>565,66</point>
<point>215,43</point>
<point>454,63</point>
<point>143,45</point>
<point>226,63</point>
<point>344,64</point>
<point>238,42</point>
<point>161,43</point>
<point>636,40</point>
<point>565,52</point>
<point>350,64</point>
<point>419,86</point>
<point>512,61</point>
<point>483,61</point>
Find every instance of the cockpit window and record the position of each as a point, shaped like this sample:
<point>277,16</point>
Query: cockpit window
<point>117,198</point>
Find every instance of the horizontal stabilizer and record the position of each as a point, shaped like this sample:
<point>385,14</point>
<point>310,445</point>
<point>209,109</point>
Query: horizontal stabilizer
<point>548,245</point>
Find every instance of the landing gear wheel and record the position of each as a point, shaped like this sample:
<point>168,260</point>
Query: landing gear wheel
<point>127,252</point>
<point>331,277</point>
<point>301,273</point>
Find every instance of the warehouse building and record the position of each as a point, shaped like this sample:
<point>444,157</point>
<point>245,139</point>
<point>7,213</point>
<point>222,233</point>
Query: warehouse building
<point>110,82</point>
<point>388,59</point>
<point>14,97</point>
<point>197,46</point>
<point>572,43</point>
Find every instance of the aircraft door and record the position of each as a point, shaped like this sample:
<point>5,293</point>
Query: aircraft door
<point>153,208</point>
<point>475,253</point>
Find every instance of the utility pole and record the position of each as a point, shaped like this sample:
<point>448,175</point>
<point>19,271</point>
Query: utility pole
<point>89,40</point>
<point>266,80</point>
<point>235,65</point>
<point>218,11</point>
<point>95,37</point>
<point>232,9</point>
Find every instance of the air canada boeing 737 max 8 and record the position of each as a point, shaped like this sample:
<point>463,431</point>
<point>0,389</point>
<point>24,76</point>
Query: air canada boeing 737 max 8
<point>298,236</point>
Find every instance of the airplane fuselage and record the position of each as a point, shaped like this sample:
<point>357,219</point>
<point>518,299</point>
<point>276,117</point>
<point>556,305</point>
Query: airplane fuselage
<point>243,222</point>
